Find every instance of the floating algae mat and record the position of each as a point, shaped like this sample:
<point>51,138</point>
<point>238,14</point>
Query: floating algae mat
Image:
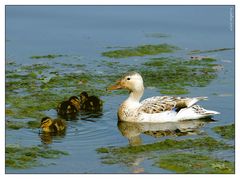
<point>209,51</point>
<point>141,50</point>
<point>49,56</point>
<point>194,163</point>
<point>174,75</point>
<point>26,157</point>
<point>227,132</point>
<point>207,143</point>
<point>15,125</point>
<point>31,105</point>
<point>127,155</point>
<point>33,89</point>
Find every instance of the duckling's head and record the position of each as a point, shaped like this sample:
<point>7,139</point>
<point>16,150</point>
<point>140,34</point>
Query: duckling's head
<point>132,81</point>
<point>74,100</point>
<point>46,122</point>
<point>83,97</point>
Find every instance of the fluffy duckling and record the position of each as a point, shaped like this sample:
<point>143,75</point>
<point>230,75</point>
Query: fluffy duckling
<point>50,125</point>
<point>83,97</point>
<point>70,107</point>
<point>74,100</point>
<point>90,103</point>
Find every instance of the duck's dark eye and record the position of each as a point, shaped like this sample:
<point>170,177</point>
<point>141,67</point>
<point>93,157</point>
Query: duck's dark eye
<point>128,78</point>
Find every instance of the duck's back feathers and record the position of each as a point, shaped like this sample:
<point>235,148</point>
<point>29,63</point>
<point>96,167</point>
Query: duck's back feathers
<point>160,104</point>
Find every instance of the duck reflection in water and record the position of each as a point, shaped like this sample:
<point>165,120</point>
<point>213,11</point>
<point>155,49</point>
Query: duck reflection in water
<point>48,138</point>
<point>132,131</point>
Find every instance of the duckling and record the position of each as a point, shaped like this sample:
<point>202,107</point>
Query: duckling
<point>74,100</point>
<point>83,97</point>
<point>50,125</point>
<point>90,103</point>
<point>93,103</point>
<point>68,108</point>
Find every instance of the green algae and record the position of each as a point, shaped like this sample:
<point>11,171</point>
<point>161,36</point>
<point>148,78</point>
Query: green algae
<point>103,150</point>
<point>33,124</point>
<point>110,64</point>
<point>71,65</point>
<point>209,51</point>
<point>35,67</point>
<point>175,75</point>
<point>206,143</point>
<point>227,132</point>
<point>14,125</point>
<point>36,88</point>
<point>49,56</point>
<point>19,157</point>
<point>10,62</point>
<point>8,112</point>
<point>194,163</point>
<point>141,50</point>
<point>33,105</point>
<point>127,155</point>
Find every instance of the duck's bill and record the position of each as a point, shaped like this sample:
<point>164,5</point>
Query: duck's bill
<point>114,87</point>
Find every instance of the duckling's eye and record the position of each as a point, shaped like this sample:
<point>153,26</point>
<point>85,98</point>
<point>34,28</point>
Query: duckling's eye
<point>128,78</point>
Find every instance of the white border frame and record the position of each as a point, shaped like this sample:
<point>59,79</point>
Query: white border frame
<point>3,3</point>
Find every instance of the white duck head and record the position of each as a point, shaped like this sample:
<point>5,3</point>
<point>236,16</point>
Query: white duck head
<point>133,82</point>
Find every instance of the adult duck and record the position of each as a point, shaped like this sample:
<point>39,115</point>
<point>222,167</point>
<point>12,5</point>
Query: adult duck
<point>156,109</point>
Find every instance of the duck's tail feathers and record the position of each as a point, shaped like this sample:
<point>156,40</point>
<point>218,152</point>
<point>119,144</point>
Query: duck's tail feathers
<point>195,100</point>
<point>195,112</point>
<point>210,112</point>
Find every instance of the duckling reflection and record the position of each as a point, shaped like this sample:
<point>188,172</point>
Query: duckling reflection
<point>132,131</point>
<point>47,138</point>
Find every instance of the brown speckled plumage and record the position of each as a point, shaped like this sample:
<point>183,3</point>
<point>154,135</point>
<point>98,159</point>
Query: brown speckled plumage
<point>166,103</point>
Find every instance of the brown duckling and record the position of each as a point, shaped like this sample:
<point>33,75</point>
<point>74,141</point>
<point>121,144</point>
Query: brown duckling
<point>74,100</point>
<point>83,97</point>
<point>90,103</point>
<point>50,125</point>
<point>67,108</point>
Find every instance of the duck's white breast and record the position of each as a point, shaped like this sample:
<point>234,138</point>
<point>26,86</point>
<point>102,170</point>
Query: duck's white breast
<point>166,116</point>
